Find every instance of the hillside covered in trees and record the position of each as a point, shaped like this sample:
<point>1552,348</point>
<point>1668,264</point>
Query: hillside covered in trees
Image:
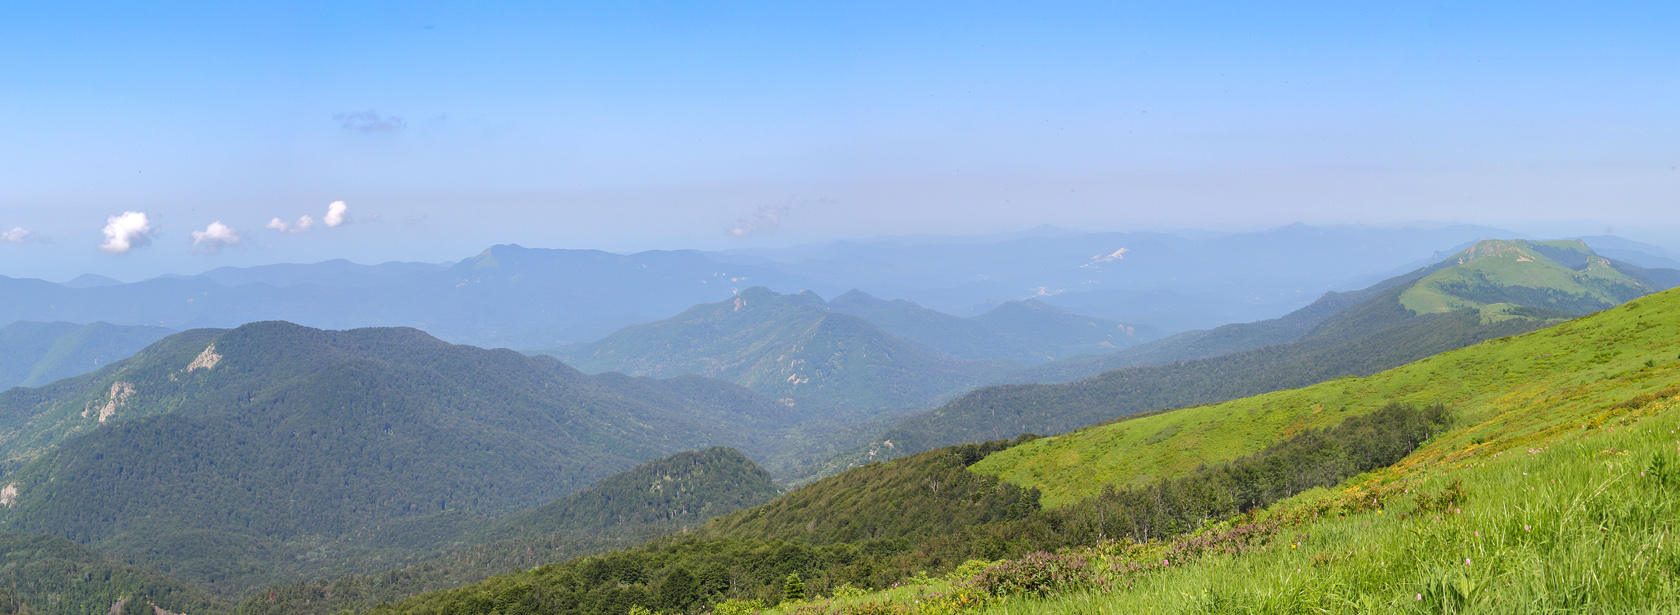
<point>281,449</point>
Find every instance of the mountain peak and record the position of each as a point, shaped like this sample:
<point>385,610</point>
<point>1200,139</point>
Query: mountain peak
<point>1563,275</point>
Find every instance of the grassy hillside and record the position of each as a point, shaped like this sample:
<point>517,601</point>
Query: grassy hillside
<point>1390,338</point>
<point>786,346</point>
<point>282,450</point>
<point>36,353</point>
<point>1507,389</point>
<point>1375,333</point>
<point>1554,491</point>
<point>1561,275</point>
<point>1027,332</point>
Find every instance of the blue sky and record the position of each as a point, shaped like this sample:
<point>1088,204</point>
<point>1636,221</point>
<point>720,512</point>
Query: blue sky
<point>448,127</point>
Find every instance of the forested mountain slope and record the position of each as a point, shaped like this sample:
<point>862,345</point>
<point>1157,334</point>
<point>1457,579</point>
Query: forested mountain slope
<point>272,441</point>
<point>54,575</point>
<point>665,495</point>
<point>684,489</point>
<point>1377,333</point>
<point>36,353</point>
<point>787,346</point>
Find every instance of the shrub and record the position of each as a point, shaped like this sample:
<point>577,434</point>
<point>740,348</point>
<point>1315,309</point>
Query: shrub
<point>1035,574</point>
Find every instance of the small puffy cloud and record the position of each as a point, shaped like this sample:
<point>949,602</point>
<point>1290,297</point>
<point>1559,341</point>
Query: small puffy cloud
<point>767,218</point>
<point>304,223</point>
<point>126,232</point>
<point>213,238</point>
<point>18,234</point>
<point>337,213</point>
<point>369,121</point>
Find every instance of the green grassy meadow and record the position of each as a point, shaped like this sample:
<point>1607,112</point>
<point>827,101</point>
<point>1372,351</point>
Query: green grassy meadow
<point>1506,392</point>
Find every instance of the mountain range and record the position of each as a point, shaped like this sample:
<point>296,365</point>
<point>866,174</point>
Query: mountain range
<point>526,298</point>
<point>857,350</point>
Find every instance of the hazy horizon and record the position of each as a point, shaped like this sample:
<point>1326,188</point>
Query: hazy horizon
<point>446,128</point>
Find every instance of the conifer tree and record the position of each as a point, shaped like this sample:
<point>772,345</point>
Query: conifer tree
<point>793,589</point>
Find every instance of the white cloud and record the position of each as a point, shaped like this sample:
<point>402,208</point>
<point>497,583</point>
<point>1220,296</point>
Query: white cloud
<point>303,223</point>
<point>213,238</point>
<point>16,235</point>
<point>126,232</point>
<point>767,218</point>
<point>337,213</point>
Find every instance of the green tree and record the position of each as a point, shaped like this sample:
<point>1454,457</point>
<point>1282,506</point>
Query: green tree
<point>793,589</point>
<point>679,592</point>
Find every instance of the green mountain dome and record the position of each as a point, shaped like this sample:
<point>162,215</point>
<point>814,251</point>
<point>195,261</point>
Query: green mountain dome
<point>1561,275</point>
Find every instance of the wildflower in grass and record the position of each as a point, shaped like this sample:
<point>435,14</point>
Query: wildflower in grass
<point>1525,528</point>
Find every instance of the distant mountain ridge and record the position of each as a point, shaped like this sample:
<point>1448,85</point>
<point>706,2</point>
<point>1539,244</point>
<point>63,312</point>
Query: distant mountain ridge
<point>36,353</point>
<point>526,298</point>
<point>786,346</point>
<point>1026,332</point>
<point>505,296</point>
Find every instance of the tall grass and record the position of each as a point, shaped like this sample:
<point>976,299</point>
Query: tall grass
<point>1586,524</point>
